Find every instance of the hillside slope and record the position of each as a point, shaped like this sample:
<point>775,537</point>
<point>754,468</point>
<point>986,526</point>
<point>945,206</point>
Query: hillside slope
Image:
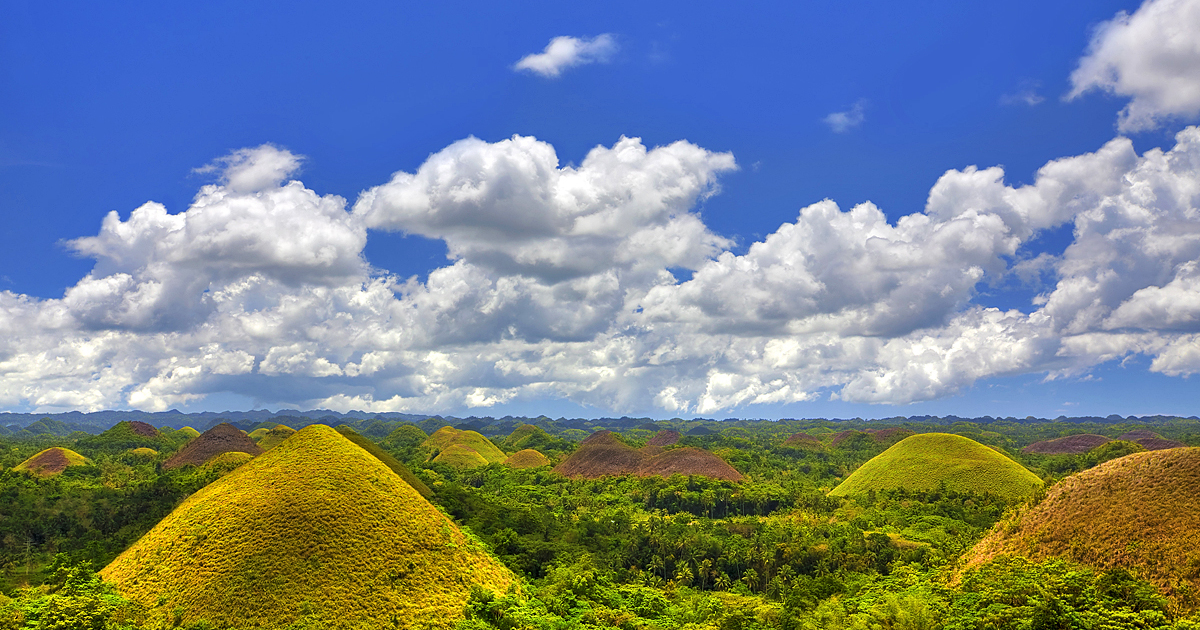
<point>316,525</point>
<point>927,460</point>
<point>1140,512</point>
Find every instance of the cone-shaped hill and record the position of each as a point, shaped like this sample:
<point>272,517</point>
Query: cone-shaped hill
<point>527,458</point>
<point>391,462</point>
<point>318,524</point>
<point>51,461</point>
<point>1069,445</point>
<point>270,438</point>
<point>223,438</point>
<point>125,435</point>
<point>1140,512</point>
<point>604,453</point>
<point>1150,440</point>
<point>666,437</point>
<point>446,437</point>
<point>927,460</point>
<point>188,432</point>
<point>460,457</point>
<point>803,441</point>
<point>688,461</point>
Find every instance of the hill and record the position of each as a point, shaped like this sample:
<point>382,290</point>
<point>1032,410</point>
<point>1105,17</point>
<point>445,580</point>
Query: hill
<point>803,441</point>
<point>688,461</point>
<point>51,461</point>
<point>666,437</point>
<point>927,460</point>
<point>445,437</point>
<point>188,432</point>
<point>270,438</point>
<point>601,453</point>
<point>223,438</point>
<point>460,457</point>
<point>1140,512</point>
<point>126,435</point>
<point>1069,445</point>
<point>527,458</point>
<point>387,459</point>
<point>1150,440</point>
<point>605,453</point>
<point>316,525</point>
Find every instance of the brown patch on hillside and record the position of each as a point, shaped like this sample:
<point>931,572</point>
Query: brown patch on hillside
<point>890,434</point>
<point>1138,434</point>
<point>1069,445</point>
<point>143,429</point>
<point>666,437</point>
<point>1158,444</point>
<point>49,462</point>
<point>802,440</point>
<point>1139,512</point>
<point>688,461</point>
<point>223,438</point>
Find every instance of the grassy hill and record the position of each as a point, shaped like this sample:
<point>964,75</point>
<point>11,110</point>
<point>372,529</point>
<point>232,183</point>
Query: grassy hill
<point>1140,512</point>
<point>445,437</point>
<point>127,435</point>
<point>51,461</point>
<point>316,527</point>
<point>391,462</point>
<point>1068,445</point>
<point>460,457</point>
<point>928,460</point>
<point>527,458</point>
<point>270,438</point>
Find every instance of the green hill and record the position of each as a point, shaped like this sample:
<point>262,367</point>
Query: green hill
<point>315,527</point>
<point>445,437</point>
<point>188,433</point>
<point>272,437</point>
<point>1140,512</point>
<point>460,457</point>
<point>527,458</point>
<point>391,462</point>
<point>127,435</point>
<point>926,461</point>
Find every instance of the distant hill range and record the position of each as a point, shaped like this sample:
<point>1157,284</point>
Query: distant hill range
<point>98,421</point>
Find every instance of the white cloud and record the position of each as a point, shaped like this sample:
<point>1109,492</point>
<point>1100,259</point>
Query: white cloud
<point>567,52</point>
<point>1152,56</point>
<point>841,122</point>
<point>561,287</point>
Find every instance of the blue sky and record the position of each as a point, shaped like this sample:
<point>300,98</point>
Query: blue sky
<point>565,309</point>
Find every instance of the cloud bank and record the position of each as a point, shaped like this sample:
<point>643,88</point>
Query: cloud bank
<point>567,52</point>
<point>563,284</point>
<point>1152,56</point>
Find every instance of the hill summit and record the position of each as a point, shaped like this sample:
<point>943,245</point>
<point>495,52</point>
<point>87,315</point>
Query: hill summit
<point>605,453</point>
<point>462,448</point>
<point>1139,512</point>
<point>315,526</point>
<point>223,438</point>
<point>926,461</point>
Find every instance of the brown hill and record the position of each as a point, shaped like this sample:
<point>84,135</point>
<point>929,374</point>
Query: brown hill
<point>51,461</point>
<point>666,437</point>
<point>802,440</point>
<point>1140,512</point>
<point>688,461</point>
<point>1069,445</point>
<point>527,458</point>
<point>223,438</point>
<point>601,453</point>
<point>1150,440</point>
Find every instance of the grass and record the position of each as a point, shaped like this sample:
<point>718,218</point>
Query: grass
<point>188,432</point>
<point>226,462</point>
<point>391,462</point>
<point>527,458</point>
<point>147,453</point>
<point>315,527</point>
<point>928,461</point>
<point>461,457</point>
<point>446,437</point>
<point>272,437</point>
<point>1140,512</point>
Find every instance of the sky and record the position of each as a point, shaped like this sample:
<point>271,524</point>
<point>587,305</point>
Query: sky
<point>810,209</point>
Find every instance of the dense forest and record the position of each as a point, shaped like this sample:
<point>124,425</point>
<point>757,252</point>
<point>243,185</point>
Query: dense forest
<point>775,550</point>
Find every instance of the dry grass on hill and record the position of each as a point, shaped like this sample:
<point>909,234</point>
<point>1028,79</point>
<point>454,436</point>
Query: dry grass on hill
<point>388,460</point>
<point>603,453</point>
<point>688,461</point>
<point>803,440</point>
<point>51,461</point>
<point>1140,512</point>
<point>274,436</point>
<point>460,457</point>
<point>1069,445</point>
<point>223,438</point>
<point>316,525</point>
<point>445,437</point>
<point>527,458</point>
<point>666,437</point>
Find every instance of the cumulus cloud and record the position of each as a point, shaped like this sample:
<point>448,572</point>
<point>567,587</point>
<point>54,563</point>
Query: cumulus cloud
<point>561,287</point>
<point>565,52</point>
<point>1151,56</point>
<point>841,122</point>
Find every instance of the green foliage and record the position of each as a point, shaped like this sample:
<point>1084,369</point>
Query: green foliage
<point>74,599</point>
